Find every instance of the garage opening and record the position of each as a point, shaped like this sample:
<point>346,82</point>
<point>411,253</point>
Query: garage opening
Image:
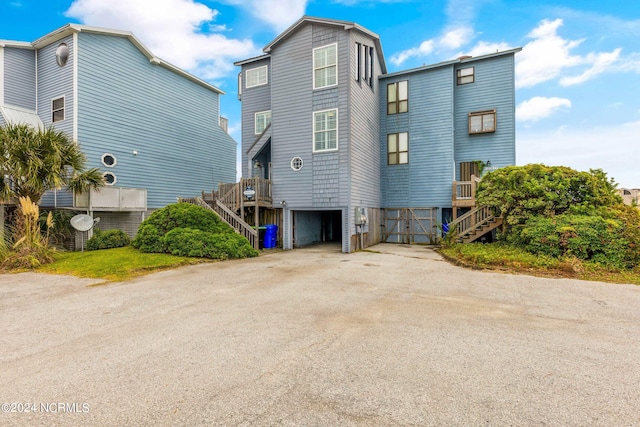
<point>311,227</point>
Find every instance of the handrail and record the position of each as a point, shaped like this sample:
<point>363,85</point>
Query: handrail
<point>466,223</point>
<point>465,190</point>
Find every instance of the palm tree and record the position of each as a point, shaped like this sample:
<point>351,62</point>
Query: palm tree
<point>33,161</point>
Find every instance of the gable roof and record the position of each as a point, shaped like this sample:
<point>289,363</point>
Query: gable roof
<point>68,29</point>
<point>345,25</point>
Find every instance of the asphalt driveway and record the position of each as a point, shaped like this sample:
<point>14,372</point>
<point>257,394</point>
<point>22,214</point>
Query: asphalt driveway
<point>315,337</point>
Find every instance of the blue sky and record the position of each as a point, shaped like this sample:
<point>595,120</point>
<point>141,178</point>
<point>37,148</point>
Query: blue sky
<point>577,77</point>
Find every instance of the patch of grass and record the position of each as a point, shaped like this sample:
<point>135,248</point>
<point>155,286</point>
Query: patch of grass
<point>114,265</point>
<point>503,257</point>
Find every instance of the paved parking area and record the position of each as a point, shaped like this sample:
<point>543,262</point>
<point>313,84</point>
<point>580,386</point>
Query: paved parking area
<point>314,337</point>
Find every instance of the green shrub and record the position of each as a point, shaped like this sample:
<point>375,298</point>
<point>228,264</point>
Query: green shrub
<point>107,239</point>
<point>189,230</point>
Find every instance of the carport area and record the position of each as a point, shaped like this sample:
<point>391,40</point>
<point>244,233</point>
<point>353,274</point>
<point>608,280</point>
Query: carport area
<point>389,336</point>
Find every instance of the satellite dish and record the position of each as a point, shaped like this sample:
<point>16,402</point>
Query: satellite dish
<point>82,222</point>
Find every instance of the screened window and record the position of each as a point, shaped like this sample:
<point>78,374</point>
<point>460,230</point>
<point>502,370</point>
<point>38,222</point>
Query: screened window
<point>325,130</point>
<point>465,75</point>
<point>57,109</point>
<point>256,76</point>
<point>263,118</point>
<point>398,148</point>
<point>325,66</point>
<point>482,122</point>
<point>398,97</point>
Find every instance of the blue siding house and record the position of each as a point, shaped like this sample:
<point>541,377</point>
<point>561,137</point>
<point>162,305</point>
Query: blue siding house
<point>357,155</point>
<point>153,129</point>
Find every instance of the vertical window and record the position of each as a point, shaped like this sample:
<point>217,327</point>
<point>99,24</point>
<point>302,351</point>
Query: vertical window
<point>465,75</point>
<point>263,118</point>
<point>398,148</point>
<point>57,109</point>
<point>256,76</point>
<point>239,84</point>
<point>482,122</point>
<point>325,66</point>
<point>398,97</point>
<point>370,66</point>
<point>325,130</point>
<point>358,61</point>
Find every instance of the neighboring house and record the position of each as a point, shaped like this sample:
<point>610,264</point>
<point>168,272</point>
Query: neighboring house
<point>153,129</point>
<point>630,196</point>
<point>341,141</point>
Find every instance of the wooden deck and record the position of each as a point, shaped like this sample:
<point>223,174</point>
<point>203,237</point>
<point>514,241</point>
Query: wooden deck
<point>464,194</point>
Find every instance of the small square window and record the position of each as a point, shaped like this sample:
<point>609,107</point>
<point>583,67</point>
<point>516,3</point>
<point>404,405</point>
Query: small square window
<point>482,122</point>
<point>57,110</point>
<point>465,75</point>
<point>256,76</point>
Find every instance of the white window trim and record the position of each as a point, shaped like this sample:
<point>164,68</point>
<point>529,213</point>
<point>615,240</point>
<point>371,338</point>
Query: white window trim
<point>64,108</point>
<point>266,76</point>
<point>255,121</point>
<point>115,178</point>
<point>296,160</point>
<point>313,75</point>
<point>115,161</point>
<point>313,118</point>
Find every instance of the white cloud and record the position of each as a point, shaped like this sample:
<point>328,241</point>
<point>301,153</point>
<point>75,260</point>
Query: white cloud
<point>451,39</point>
<point>484,48</point>
<point>173,36</point>
<point>549,56</point>
<point>540,107</point>
<point>610,148</point>
<point>279,14</point>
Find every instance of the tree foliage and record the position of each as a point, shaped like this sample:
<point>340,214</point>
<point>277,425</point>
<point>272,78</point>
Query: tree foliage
<point>36,160</point>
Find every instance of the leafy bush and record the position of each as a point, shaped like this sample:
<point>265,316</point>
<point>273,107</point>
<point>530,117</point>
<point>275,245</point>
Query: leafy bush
<point>107,239</point>
<point>189,230</point>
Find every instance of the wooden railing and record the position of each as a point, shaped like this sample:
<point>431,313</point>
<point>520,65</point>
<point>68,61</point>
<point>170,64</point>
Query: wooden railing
<point>228,216</point>
<point>233,195</point>
<point>465,190</point>
<point>473,221</point>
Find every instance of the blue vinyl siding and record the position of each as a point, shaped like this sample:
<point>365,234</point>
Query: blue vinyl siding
<point>127,104</point>
<point>20,77</point>
<point>254,99</point>
<point>493,89</point>
<point>55,82</point>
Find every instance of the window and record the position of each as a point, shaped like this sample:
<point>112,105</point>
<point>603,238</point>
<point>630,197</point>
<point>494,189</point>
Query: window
<point>325,65</point>
<point>57,110</point>
<point>358,61</point>
<point>109,160</point>
<point>256,76</point>
<point>397,97</point>
<point>325,130</point>
<point>370,66</point>
<point>465,75</point>
<point>109,178</point>
<point>62,54</point>
<point>482,122</point>
<point>240,84</point>
<point>296,163</point>
<point>263,118</point>
<point>398,148</point>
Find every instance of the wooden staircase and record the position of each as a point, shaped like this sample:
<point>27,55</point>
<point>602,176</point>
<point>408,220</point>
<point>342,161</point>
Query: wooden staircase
<point>228,216</point>
<point>474,224</point>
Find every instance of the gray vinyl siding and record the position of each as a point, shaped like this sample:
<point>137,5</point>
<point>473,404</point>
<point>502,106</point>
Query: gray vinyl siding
<point>254,99</point>
<point>426,180</point>
<point>20,77</point>
<point>493,89</point>
<point>127,105</point>
<point>55,82</point>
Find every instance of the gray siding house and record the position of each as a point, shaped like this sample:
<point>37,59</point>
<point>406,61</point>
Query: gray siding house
<point>357,155</point>
<point>153,129</point>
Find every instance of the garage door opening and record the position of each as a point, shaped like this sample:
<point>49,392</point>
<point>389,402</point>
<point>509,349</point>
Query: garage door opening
<point>311,227</point>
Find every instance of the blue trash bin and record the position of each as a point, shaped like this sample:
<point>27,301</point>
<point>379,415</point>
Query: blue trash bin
<point>270,236</point>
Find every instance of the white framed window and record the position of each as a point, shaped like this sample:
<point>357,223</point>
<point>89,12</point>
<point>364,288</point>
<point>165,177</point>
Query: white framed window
<point>256,76</point>
<point>240,84</point>
<point>109,160</point>
<point>325,66</point>
<point>297,163</point>
<point>482,122</point>
<point>465,76</point>
<point>109,178</point>
<point>325,130</point>
<point>57,109</point>
<point>398,97</point>
<point>62,54</point>
<point>263,118</point>
<point>398,148</point>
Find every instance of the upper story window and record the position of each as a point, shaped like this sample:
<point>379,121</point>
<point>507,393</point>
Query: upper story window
<point>465,75</point>
<point>358,61</point>
<point>62,54</point>
<point>398,97</point>
<point>325,66</point>
<point>256,76</point>
<point>325,130</point>
<point>263,118</point>
<point>398,148</point>
<point>57,109</point>
<point>482,122</point>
